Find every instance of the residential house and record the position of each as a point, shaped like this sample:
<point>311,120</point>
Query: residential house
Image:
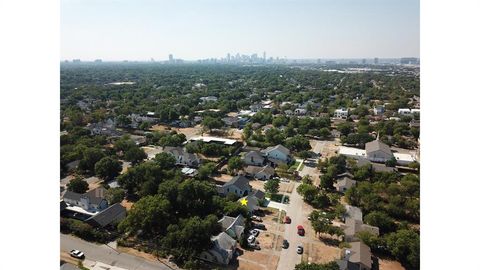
<point>357,257</point>
<point>262,173</point>
<point>344,184</point>
<point>300,111</point>
<point>106,127</point>
<point>238,185</point>
<point>341,113</point>
<point>254,201</point>
<point>91,201</point>
<point>353,212</point>
<point>223,250</point>
<point>404,111</point>
<point>182,157</point>
<point>189,171</point>
<point>254,158</point>
<point>375,166</point>
<point>379,110</point>
<point>378,151</point>
<point>231,121</point>
<point>110,216</point>
<point>233,226</point>
<point>277,153</point>
<point>353,226</point>
<point>208,99</point>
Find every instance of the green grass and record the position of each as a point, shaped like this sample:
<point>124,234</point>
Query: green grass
<point>278,197</point>
<point>294,166</point>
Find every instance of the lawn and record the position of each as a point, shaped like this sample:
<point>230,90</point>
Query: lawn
<point>278,197</point>
<point>294,166</point>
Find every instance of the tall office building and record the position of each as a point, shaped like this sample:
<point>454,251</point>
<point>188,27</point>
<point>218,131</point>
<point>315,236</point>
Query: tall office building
<point>375,60</point>
<point>170,57</point>
<point>264,56</point>
<point>364,61</point>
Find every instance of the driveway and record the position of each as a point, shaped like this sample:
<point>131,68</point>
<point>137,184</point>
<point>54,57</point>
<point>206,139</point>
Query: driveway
<point>107,255</point>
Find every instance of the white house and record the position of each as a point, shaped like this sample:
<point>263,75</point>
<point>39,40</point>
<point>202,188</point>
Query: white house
<point>341,113</point>
<point>404,111</point>
<point>278,152</point>
<point>93,201</point>
<point>182,157</point>
<point>254,158</point>
<point>378,110</point>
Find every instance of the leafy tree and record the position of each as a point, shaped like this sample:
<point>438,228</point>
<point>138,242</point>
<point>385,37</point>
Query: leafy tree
<point>274,136</point>
<point>135,155</point>
<point>164,160</point>
<point>380,219</point>
<point>272,186</point>
<point>315,266</point>
<point>124,143</point>
<point>405,246</point>
<point>298,143</point>
<point>77,185</point>
<point>391,162</point>
<point>247,131</point>
<point>205,171</point>
<point>211,123</point>
<point>304,154</point>
<point>90,157</point>
<point>108,168</point>
<point>326,181</point>
<point>234,164</point>
<point>345,128</point>
<point>150,215</point>
<point>115,195</point>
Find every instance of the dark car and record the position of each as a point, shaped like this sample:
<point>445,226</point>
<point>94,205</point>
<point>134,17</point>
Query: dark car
<point>259,226</point>
<point>299,249</point>
<point>287,220</point>
<point>77,254</point>
<point>285,243</point>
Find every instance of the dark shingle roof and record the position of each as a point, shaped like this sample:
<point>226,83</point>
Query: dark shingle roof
<point>108,215</point>
<point>239,181</point>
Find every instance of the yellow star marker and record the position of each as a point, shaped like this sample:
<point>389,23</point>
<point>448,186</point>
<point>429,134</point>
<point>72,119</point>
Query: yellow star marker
<point>244,201</point>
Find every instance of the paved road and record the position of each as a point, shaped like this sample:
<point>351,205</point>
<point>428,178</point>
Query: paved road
<point>107,255</point>
<point>289,257</point>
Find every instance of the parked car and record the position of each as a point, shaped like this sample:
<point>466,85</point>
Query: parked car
<point>251,239</point>
<point>256,218</point>
<point>259,226</point>
<point>299,249</point>
<point>285,243</point>
<point>254,232</point>
<point>77,254</point>
<point>287,220</point>
<point>300,230</point>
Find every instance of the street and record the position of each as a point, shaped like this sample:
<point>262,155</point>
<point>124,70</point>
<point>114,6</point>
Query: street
<point>107,255</point>
<point>289,257</point>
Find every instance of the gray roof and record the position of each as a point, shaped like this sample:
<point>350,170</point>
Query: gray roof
<point>224,241</point>
<point>179,152</point>
<point>268,170</point>
<point>108,215</point>
<point>346,182</point>
<point>278,147</point>
<point>226,222</point>
<point>239,181</point>
<point>377,145</point>
<point>253,169</point>
<point>353,212</point>
<point>260,195</point>
<point>360,253</point>
<point>253,154</point>
<point>353,226</point>
<point>95,195</point>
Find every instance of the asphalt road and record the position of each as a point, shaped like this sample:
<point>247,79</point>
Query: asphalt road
<point>289,257</point>
<point>107,255</point>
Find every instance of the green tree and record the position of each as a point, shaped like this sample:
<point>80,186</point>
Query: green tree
<point>211,123</point>
<point>405,246</point>
<point>391,162</point>
<point>115,195</point>
<point>135,155</point>
<point>298,143</point>
<point>164,160</point>
<point>77,185</point>
<point>345,128</point>
<point>90,157</point>
<point>108,168</point>
<point>205,171</point>
<point>380,219</point>
<point>150,215</point>
<point>315,266</point>
<point>234,164</point>
<point>272,186</point>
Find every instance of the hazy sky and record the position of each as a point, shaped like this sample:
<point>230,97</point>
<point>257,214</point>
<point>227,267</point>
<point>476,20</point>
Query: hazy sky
<point>197,29</point>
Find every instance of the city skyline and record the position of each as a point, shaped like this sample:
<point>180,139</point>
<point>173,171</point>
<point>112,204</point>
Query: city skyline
<point>116,30</point>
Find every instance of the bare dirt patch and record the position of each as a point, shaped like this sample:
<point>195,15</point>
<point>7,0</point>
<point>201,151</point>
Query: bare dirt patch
<point>127,204</point>
<point>389,265</point>
<point>318,252</point>
<point>222,178</point>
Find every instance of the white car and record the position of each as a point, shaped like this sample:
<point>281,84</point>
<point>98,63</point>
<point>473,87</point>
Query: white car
<point>251,239</point>
<point>77,254</point>
<point>255,232</point>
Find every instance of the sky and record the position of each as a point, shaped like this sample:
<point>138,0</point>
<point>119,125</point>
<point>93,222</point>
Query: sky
<point>115,30</point>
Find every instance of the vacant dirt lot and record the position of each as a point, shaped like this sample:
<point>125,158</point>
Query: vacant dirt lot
<point>319,252</point>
